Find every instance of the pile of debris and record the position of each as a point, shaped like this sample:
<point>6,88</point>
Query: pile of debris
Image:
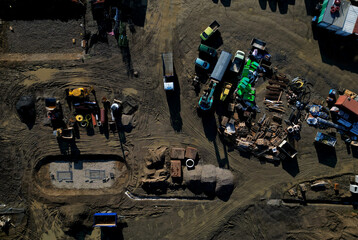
<point>162,172</point>
<point>340,112</point>
<point>165,169</point>
<point>210,179</point>
<point>156,171</point>
<point>265,139</point>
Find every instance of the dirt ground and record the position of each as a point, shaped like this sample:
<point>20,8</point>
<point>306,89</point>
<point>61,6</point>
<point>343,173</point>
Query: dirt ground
<point>43,62</point>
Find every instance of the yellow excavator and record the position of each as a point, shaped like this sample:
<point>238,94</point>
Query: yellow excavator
<point>80,92</point>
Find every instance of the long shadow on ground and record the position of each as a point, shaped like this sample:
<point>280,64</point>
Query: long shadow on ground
<point>326,154</point>
<point>40,9</point>
<point>337,50</point>
<point>173,99</point>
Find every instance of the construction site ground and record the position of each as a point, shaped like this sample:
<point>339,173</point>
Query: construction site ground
<point>44,62</point>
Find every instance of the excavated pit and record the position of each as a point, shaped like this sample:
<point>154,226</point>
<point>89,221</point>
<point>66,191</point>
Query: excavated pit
<point>84,172</point>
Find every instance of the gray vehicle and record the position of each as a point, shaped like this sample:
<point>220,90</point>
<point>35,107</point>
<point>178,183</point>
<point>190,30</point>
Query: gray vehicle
<point>221,66</point>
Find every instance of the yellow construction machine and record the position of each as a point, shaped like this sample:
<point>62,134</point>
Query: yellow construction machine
<point>80,92</point>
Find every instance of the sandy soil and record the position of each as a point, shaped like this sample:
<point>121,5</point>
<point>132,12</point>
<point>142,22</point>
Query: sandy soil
<point>169,120</point>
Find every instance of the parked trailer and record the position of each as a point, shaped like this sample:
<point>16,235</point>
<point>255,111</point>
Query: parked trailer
<point>221,66</point>
<point>168,71</point>
<point>105,220</point>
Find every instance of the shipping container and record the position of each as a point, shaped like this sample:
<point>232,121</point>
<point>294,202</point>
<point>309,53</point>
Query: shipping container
<point>221,66</point>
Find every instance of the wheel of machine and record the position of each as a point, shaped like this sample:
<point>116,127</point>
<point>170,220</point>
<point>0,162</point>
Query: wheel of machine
<point>79,118</point>
<point>84,124</point>
<point>88,118</point>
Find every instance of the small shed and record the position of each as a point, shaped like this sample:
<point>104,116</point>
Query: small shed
<point>175,168</point>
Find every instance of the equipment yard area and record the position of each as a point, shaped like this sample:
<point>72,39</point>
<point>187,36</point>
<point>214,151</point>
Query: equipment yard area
<point>178,119</point>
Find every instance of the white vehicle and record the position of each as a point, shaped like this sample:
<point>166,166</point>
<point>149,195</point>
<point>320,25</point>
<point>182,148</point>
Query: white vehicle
<point>168,71</point>
<point>238,61</point>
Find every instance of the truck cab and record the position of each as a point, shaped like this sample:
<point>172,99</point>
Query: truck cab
<point>208,50</point>
<point>209,30</point>
<point>238,61</point>
<point>202,64</point>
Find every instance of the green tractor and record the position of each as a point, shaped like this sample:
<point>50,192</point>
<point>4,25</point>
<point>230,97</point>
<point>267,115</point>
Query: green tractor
<point>245,91</point>
<point>248,76</point>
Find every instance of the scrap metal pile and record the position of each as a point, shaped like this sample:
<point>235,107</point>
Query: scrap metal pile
<point>266,138</point>
<point>339,112</point>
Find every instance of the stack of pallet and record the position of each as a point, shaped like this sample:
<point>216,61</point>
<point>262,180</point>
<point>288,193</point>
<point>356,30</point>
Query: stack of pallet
<point>277,85</point>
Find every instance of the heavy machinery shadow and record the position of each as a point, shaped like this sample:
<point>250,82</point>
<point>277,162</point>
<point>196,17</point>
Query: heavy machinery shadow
<point>126,56</point>
<point>226,3</point>
<point>41,9</point>
<point>26,111</point>
<point>211,60</point>
<point>282,6</point>
<point>115,233</point>
<point>135,10</point>
<point>326,154</point>
<point>68,147</point>
<point>273,4</point>
<point>337,50</point>
<point>291,166</point>
<point>223,162</point>
<point>354,151</point>
<point>209,125</point>
<point>311,7</point>
<point>214,40</point>
<point>121,132</point>
<point>173,99</point>
<point>79,231</point>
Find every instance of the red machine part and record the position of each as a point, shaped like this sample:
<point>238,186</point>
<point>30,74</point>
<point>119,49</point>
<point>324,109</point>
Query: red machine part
<point>103,116</point>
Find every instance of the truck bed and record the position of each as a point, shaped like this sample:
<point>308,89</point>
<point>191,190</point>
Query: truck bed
<point>214,25</point>
<point>257,43</point>
<point>236,65</point>
<point>168,68</point>
<point>287,148</point>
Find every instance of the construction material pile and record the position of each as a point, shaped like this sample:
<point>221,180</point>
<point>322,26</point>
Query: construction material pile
<point>179,167</point>
<point>210,179</point>
<point>266,138</point>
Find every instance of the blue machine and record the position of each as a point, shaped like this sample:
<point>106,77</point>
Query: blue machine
<point>201,63</point>
<point>105,220</point>
<point>206,101</point>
